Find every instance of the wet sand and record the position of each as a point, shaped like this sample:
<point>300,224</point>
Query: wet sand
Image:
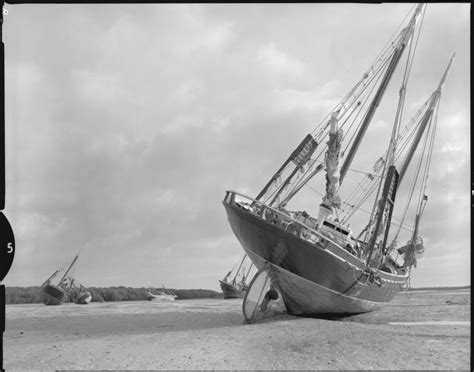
<point>429,331</point>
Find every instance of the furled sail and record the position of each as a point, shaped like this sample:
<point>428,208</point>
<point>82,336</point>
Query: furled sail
<point>331,200</point>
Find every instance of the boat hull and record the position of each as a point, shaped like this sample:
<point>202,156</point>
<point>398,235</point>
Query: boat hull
<point>84,298</point>
<point>160,298</point>
<point>314,278</point>
<point>53,295</point>
<point>230,291</point>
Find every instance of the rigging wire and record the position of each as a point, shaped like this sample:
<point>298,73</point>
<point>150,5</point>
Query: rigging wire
<point>404,135</point>
<point>388,48</point>
<point>412,189</point>
<point>376,73</point>
<point>365,100</point>
<point>357,100</point>
<point>403,226</point>
<point>390,154</point>
<point>360,104</point>
<point>427,165</point>
<point>364,197</point>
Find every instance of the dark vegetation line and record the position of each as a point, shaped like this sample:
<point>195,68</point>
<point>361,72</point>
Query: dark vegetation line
<point>31,295</point>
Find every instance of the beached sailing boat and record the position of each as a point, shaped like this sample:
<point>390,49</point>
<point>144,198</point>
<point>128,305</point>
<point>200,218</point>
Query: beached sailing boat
<point>161,295</point>
<point>57,294</point>
<point>79,294</point>
<point>236,287</point>
<point>319,266</point>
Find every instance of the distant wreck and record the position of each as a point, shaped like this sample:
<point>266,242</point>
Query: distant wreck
<point>58,292</point>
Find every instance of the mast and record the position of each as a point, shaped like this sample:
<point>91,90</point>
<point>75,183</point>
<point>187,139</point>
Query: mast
<point>237,272</point>
<point>385,210</point>
<point>299,157</point>
<point>51,277</point>
<point>393,179</point>
<point>284,185</point>
<point>225,278</point>
<point>426,119</point>
<point>248,271</point>
<point>69,268</point>
<point>418,218</point>
<point>300,186</point>
<point>274,178</point>
<point>405,38</point>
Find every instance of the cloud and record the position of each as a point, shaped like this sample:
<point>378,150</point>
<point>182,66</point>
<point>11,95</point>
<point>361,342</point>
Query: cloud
<point>198,33</point>
<point>280,63</point>
<point>318,100</point>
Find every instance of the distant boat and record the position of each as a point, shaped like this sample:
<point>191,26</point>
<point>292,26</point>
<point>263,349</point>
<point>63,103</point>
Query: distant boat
<point>236,287</point>
<point>80,295</point>
<point>57,294</point>
<point>161,295</point>
<point>318,265</point>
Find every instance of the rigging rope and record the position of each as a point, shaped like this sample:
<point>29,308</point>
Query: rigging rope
<point>360,103</point>
<point>428,162</point>
<point>383,56</point>
<point>404,137</point>
<point>365,100</point>
<point>407,71</point>
<point>386,54</point>
<point>351,107</point>
<point>377,208</point>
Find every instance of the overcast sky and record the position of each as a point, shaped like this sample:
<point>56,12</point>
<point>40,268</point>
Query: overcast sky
<point>126,124</point>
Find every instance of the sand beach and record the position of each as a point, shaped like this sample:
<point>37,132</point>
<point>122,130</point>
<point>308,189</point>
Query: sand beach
<point>428,331</point>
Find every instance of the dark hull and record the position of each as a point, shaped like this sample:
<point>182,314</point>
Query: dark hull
<point>53,295</point>
<point>315,277</point>
<point>230,291</point>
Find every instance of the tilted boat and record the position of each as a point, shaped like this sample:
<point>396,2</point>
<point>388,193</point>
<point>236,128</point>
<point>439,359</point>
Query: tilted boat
<point>318,266</point>
<point>161,295</point>
<point>236,287</point>
<point>57,294</point>
<point>79,294</point>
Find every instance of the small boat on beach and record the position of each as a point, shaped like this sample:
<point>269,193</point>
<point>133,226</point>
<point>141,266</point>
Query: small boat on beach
<point>57,294</point>
<point>348,260</point>
<point>161,295</point>
<point>79,294</point>
<point>236,287</point>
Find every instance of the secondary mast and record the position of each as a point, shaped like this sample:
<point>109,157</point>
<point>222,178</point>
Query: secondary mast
<point>435,97</point>
<point>385,205</point>
<point>69,268</point>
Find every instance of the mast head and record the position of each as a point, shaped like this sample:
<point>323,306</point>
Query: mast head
<point>445,76</point>
<point>407,32</point>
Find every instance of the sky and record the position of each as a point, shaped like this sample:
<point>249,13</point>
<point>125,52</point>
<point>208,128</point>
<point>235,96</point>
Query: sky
<point>126,124</point>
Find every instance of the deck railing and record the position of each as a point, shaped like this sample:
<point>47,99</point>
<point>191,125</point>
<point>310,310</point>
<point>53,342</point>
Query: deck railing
<point>259,209</point>
<point>286,222</point>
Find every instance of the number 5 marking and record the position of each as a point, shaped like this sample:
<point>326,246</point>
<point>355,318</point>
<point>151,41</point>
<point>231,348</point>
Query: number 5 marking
<point>9,247</point>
